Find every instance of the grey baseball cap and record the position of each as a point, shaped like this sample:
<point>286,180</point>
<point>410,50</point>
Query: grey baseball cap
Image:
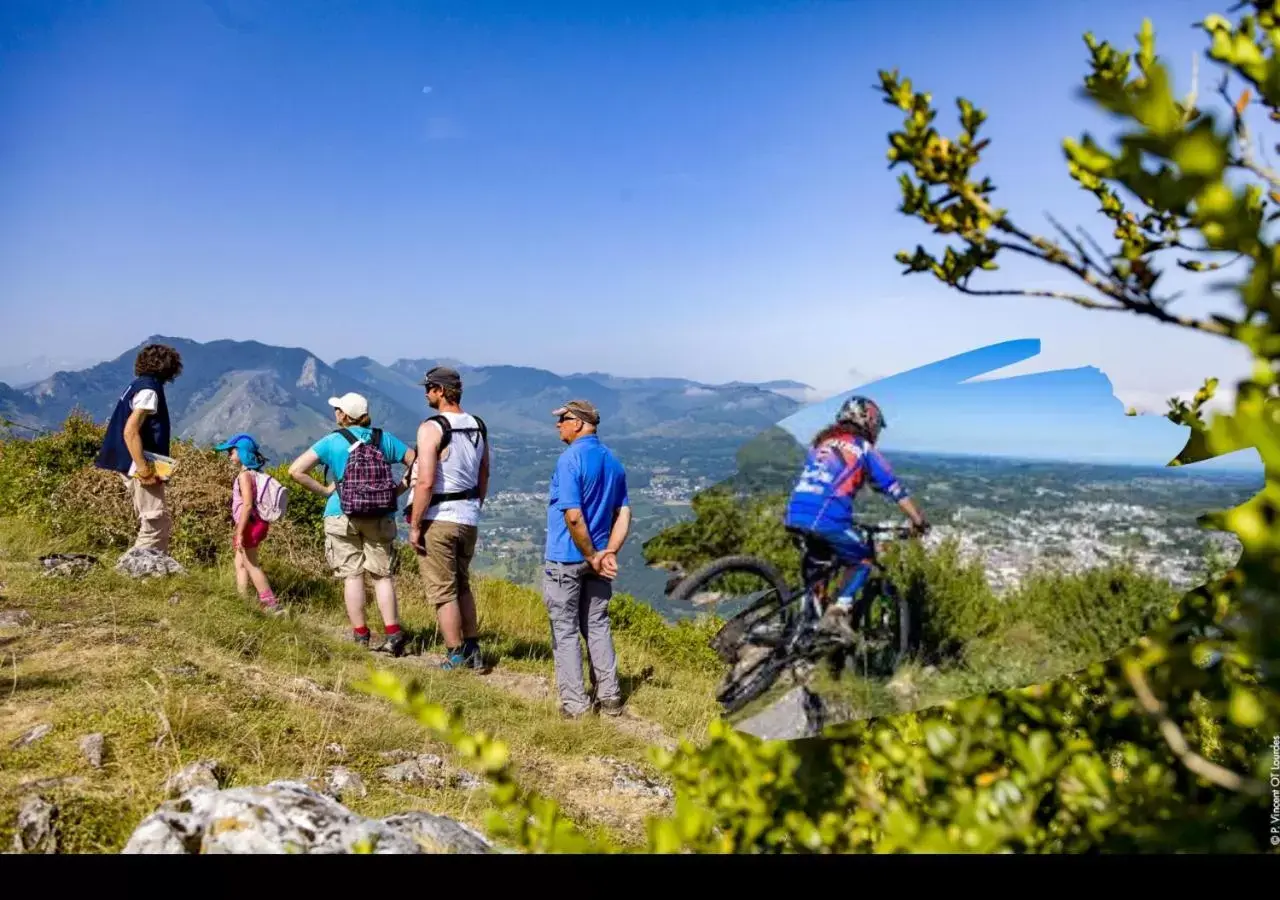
<point>441,376</point>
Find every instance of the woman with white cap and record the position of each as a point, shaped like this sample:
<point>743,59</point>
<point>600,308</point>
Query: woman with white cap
<point>359,523</point>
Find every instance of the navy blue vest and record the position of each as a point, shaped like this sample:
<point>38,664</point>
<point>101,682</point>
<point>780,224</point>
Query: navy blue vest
<point>114,454</point>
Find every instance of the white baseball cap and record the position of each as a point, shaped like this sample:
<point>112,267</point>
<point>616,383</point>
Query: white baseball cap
<point>352,404</point>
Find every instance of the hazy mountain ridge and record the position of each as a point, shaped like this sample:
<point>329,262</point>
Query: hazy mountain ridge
<point>280,394</point>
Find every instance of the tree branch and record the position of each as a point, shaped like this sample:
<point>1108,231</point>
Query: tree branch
<point>1086,302</point>
<point>1172,735</point>
<point>1243,140</point>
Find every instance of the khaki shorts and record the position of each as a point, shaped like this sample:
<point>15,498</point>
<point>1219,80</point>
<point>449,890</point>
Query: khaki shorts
<point>353,546</point>
<point>446,568</point>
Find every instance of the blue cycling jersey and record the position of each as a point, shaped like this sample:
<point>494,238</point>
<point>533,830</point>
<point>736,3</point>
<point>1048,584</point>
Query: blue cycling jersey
<point>834,472</point>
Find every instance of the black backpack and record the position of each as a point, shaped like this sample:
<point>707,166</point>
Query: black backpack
<point>447,429</point>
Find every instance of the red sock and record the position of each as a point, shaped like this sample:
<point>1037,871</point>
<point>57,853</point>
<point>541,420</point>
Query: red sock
<point>362,630</point>
<point>393,629</point>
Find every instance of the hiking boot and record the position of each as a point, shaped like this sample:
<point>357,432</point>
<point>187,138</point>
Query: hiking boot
<point>360,639</point>
<point>611,707</point>
<point>394,644</point>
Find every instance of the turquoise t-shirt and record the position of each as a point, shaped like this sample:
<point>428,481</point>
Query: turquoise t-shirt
<point>333,450</point>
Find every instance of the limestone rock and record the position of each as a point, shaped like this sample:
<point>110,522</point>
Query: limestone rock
<point>342,782</point>
<point>799,713</point>
<point>31,735</point>
<point>37,829</point>
<point>65,565</point>
<point>630,779</point>
<point>203,775</point>
<point>289,817</point>
<point>145,562</point>
<point>425,769</point>
<point>14,618</point>
<point>93,747</point>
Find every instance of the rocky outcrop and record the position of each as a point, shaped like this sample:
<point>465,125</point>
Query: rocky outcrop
<point>37,826</point>
<point>799,713</point>
<point>290,817</point>
<point>206,774</point>
<point>93,746</point>
<point>341,782</point>
<point>144,562</point>
<point>425,769</point>
<point>66,565</point>
<point>31,735</point>
<point>14,618</point>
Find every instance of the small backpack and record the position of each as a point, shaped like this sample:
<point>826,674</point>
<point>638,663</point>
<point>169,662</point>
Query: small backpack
<point>366,488</point>
<point>271,500</point>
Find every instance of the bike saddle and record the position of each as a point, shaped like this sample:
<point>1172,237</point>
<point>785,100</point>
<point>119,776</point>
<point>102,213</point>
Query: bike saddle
<point>817,549</point>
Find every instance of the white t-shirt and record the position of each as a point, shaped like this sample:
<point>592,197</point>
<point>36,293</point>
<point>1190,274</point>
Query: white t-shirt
<point>457,470</point>
<point>146,399</point>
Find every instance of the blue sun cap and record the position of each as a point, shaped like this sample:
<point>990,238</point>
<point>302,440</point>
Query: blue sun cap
<point>246,448</point>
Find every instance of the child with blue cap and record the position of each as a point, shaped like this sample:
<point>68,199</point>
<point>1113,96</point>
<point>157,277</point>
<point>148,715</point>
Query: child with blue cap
<point>250,529</point>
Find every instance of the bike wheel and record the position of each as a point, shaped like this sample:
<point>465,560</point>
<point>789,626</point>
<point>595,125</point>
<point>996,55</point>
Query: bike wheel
<point>768,615</point>
<point>885,627</point>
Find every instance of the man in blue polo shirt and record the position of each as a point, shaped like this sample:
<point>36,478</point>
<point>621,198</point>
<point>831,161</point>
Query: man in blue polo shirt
<point>588,516</point>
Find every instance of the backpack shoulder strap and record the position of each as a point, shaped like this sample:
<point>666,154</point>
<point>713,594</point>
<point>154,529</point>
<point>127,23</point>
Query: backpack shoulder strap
<point>375,439</point>
<point>484,432</point>
<point>446,430</point>
<point>351,438</point>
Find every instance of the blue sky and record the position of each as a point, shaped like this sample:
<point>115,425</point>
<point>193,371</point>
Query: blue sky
<point>659,188</point>
<point>1066,415</point>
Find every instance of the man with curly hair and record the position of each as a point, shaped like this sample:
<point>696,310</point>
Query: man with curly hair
<point>140,425</point>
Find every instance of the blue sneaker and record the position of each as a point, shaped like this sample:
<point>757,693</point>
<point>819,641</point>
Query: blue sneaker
<point>454,659</point>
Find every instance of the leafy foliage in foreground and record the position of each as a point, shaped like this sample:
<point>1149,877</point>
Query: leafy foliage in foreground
<point>1167,745</point>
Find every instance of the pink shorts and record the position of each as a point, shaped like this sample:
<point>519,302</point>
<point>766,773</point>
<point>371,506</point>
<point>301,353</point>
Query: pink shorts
<point>257,532</point>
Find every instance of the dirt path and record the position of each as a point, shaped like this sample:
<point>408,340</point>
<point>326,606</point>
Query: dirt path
<point>524,685</point>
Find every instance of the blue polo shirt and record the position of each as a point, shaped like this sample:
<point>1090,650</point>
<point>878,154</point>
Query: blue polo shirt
<point>587,477</point>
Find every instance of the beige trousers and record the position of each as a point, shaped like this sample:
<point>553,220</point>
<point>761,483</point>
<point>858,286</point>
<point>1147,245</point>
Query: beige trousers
<point>155,524</point>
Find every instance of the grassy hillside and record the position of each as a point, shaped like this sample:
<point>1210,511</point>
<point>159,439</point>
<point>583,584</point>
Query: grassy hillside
<point>181,670</point>
<point>175,671</point>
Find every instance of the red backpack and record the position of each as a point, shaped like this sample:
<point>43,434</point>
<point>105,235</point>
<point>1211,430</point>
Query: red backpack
<point>366,489</point>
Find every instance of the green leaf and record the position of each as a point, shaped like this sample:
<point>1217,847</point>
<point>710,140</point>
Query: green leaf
<point>1200,152</point>
<point>1246,709</point>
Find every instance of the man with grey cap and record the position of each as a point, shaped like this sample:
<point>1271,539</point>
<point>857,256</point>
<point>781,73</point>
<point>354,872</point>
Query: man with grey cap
<point>449,482</point>
<point>588,516</point>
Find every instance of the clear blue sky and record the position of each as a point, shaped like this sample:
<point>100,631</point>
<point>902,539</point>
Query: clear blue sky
<point>1067,415</point>
<point>646,188</point>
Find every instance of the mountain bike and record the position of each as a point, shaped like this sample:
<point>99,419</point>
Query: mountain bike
<point>783,621</point>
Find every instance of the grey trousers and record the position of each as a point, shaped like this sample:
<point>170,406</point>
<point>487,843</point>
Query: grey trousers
<point>577,601</point>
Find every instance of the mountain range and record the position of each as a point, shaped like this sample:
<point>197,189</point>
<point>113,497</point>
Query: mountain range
<point>280,395</point>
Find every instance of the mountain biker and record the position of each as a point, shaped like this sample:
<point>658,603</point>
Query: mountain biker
<point>841,460</point>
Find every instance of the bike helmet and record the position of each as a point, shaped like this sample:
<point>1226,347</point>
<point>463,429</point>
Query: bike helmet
<point>863,415</point>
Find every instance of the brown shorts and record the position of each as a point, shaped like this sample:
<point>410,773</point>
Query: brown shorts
<point>446,567</point>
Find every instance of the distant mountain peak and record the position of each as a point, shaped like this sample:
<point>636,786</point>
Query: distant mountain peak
<point>280,394</point>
